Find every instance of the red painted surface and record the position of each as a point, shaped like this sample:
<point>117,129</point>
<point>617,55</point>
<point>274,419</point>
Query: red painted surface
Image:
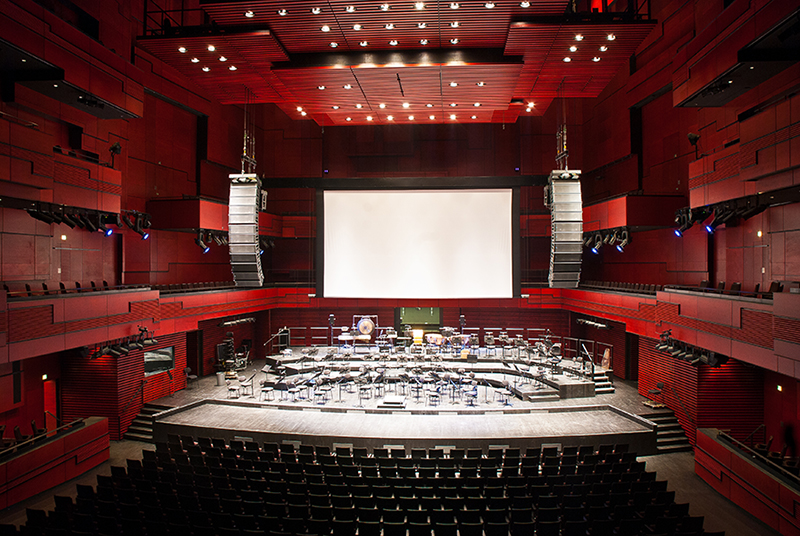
<point>732,474</point>
<point>53,463</point>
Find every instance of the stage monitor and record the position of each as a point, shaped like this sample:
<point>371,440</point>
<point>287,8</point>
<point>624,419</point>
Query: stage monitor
<point>434,244</point>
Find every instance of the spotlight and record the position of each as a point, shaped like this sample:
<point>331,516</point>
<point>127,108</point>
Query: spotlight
<point>217,240</point>
<point>76,219</point>
<point>663,345</point>
<point>598,243</point>
<point>683,220</point>
<point>199,242</point>
<point>753,211</point>
<point>102,226</point>
<point>88,223</point>
<point>65,219</point>
<point>693,138</point>
<point>624,239</point>
<point>588,240</point>
<point>41,216</point>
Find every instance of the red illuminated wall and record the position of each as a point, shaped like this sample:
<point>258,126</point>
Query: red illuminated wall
<point>33,393</point>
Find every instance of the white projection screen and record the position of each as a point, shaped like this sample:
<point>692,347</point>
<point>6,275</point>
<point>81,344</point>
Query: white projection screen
<point>434,244</point>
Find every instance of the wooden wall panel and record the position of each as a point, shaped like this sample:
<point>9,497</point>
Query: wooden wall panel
<point>731,398</point>
<point>214,334</point>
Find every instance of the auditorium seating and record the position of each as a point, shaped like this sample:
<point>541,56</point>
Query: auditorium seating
<point>209,486</point>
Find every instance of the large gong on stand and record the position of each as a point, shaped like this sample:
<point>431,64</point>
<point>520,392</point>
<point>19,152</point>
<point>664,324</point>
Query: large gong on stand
<point>364,326</point>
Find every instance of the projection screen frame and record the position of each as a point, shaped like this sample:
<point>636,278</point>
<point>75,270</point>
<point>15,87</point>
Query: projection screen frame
<point>516,268</point>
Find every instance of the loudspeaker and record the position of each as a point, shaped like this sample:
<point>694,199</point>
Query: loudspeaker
<point>566,237</point>
<point>243,208</point>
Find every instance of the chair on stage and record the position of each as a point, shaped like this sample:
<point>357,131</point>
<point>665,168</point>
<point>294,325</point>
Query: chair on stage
<point>233,389</point>
<point>267,392</point>
<point>247,383</point>
<point>187,372</point>
<point>472,393</point>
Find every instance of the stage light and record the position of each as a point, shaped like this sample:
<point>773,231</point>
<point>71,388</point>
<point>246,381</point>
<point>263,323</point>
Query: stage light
<point>199,242</point>
<point>624,239</point>
<point>68,221</point>
<point>88,223</point>
<point>693,138</point>
<point>598,243</point>
<point>588,241</point>
<point>101,225</point>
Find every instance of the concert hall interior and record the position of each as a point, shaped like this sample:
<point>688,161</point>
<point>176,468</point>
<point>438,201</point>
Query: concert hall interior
<point>313,267</point>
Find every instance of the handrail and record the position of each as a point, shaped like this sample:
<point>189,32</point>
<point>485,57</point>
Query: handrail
<point>759,427</point>
<point>40,437</point>
<point>758,457</point>
<point>144,382</point>
<point>680,401</point>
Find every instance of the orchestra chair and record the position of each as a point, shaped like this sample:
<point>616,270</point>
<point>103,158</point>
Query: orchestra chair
<point>187,372</point>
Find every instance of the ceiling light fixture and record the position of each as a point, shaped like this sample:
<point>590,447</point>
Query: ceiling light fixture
<point>431,117</point>
<point>232,68</point>
<point>389,26</point>
<point>304,113</point>
<point>249,14</point>
<point>350,9</point>
<point>454,5</point>
<point>335,106</point>
<point>347,86</point>
<point>316,10</point>
<point>528,110</point>
<point>455,24</point>
<point>382,106</point>
<point>359,105</point>
<point>349,119</point>
<point>223,58</point>
<point>195,60</point>
<point>429,105</point>
<point>390,117</point>
<point>182,50</point>
<point>477,104</point>
<point>474,117</point>
<point>282,12</point>
<point>453,104</point>
<point>320,88</point>
<point>406,105</point>
<point>611,37</point>
<point>452,116</point>
<point>603,48</point>
<point>453,84</point>
<point>369,118</point>
<point>410,117</point>
<point>422,25</point>
<point>419,5</point>
<point>480,84</point>
<point>393,42</point>
<point>454,41</point>
<point>573,48</point>
<point>578,37</point>
<point>334,44</point>
<point>357,27</point>
<point>211,48</point>
<point>384,7</point>
<point>567,59</point>
<point>326,28</point>
<point>363,43</point>
<point>423,41</point>
<point>524,4</point>
<point>299,108</point>
<point>206,69</point>
<point>489,5</point>
<point>596,59</point>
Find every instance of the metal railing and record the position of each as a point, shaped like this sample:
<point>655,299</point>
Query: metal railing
<point>41,438</point>
<point>762,460</point>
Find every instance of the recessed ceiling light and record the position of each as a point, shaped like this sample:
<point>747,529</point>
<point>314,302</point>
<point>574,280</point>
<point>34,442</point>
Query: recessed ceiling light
<point>431,117</point>
<point>282,12</point>
<point>454,5</point>
<point>349,119</point>
<point>489,5</point>
<point>390,117</point>
<point>406,105</point>
<point>223,58</point>
<point>249,14</point>
<point>326,28</point>
<point>603,48</point>
<point>611,37</point>
<point>369,118</point>
<point>422,25</point>
<point>206,69</point>
<point>423,41</point>
<point>452,116</point>
<point>389,26</point>
<point>531,105</point>
<point>356,27</point>
<point>347,86</point>
<point>350,9</point>
<point>334,44</point>
<point>477,104</point>
<point>393,42</point>
<point>454,24</point>
<point>480,84</point>
<point>429,105</point>
<point>454,41</point>
<point>316,10</point>
<point>524,4</point>
<point>335,106</point>
<point>453,104</point>
<point>528,110</point>
<point>596,59</point>
<point>410,117</point>
<point>55,85</point>
<point>320,88</point>
<point>211,48</point>
<point>419,5</point>
<point>384,7</point>
<point>182,50</point>
<point>573,48</point>
<point>299,108</point>
<point>359,106</point>
<point>195,60</point>
<point>474,117</point>
<point>363,43</point>
<point>453,84</point>
<point>304,114</point>
<point>578,37</point>
<point>382,106</point>
<point>567,59</point>
<point>232,68</point>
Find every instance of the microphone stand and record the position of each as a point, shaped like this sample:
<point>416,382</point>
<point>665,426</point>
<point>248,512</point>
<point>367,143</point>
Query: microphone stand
<point>273,337</point>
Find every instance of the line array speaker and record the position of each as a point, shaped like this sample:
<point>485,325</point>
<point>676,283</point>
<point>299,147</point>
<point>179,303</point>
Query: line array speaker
<point>243,208</point>
<point>563,196</point>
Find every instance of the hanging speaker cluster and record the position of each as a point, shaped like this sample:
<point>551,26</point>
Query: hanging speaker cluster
<point>563,197</point>
<point>245,250</point>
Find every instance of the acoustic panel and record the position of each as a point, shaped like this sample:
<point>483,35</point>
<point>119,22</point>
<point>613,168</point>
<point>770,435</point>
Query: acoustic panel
<point>243,208</point>
<point>566,239</point>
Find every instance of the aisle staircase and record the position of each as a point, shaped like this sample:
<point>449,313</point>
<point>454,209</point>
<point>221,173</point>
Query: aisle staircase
<point>141,429</point>
<point>670,436</point>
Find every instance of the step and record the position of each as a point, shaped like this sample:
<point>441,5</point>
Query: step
<point>140,429</point>
<point>604,390</point>
<point>669,427</point>
<point>674,448</point>
<point>142,421</point>
<point>665,441</point>
<point>138,437</point>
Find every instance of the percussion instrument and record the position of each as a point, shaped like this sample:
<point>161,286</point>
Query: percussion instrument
<point>434,338</point>
<point>447,332</point>
<point>365,326</point>
<point>345,337</point>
